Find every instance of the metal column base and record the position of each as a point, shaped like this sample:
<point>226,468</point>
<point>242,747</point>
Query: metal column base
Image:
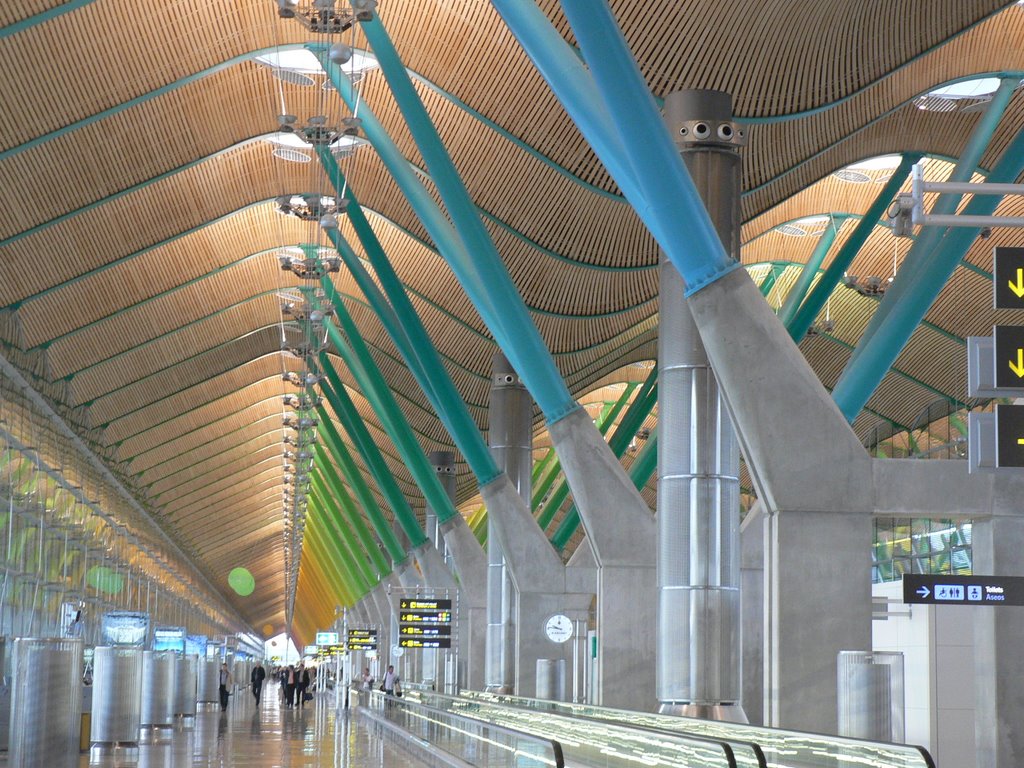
<point>727,713</point>
<point>119,752</point>
<point>149,734</point>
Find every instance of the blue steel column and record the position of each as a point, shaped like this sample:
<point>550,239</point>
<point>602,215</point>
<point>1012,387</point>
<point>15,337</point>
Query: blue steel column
<point>510,436</point>
<point>917,284</point>
<point>803,282</point>
<point>699,651</point>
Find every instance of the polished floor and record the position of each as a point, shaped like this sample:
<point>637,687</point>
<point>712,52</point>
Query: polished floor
<point>271,736</point>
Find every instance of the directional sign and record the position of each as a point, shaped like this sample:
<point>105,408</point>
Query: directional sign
<point>424,623</point>
<point>442,630</point>
<point>416,642</point>
<point>424,604</point>
<point>1008,282</point>
<point>963,590</point>
<point>1009,435</point>
<point>1009,359</point>
<point>426,617</point>
<point>362,639</point>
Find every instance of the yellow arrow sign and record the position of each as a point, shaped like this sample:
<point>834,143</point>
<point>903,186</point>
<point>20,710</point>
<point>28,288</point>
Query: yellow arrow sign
<point>1020,441</point>
<point>1018,287</point>
<point>1018,366</point>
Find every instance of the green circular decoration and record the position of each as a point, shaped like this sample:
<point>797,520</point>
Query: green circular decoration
<point>106,580</point>
<point>241,581</point>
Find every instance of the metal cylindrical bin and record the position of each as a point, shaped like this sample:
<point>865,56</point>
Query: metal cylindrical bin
<point>871,703</point>
<point>551,679</point>
<point>116,698</point>
<point>158,681</point>
<point>209,681</point>
<point>46,702</point>
<point>185,686</point>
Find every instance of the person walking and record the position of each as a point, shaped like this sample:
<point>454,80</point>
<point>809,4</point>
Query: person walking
<point>256,678</point>
<point>391,683</point>
<point>301,684</point>
<point>225,681</point>
<point>288,678</point>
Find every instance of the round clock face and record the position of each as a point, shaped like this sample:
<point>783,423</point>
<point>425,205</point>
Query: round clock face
<point>558,628</point>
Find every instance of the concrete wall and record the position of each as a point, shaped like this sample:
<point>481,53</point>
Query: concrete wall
<point>938,647</point>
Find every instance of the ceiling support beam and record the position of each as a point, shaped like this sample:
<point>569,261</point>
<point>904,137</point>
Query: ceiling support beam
<point>926,269</point>
<point>403,325</point>
<point>340,544</point>
<point>603,422</point>
<point>632,421</point>
<point>334,444</point>
<point>804,317</point>
<point>803,283</point>
<point>482,275</point>
<point>375,388</point>
<point>342,515</point>
<point>336,394</point>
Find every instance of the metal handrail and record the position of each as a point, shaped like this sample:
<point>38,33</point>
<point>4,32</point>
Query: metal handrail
<point>620,716</point>
<point>680,739</point>
<point>553,744</point>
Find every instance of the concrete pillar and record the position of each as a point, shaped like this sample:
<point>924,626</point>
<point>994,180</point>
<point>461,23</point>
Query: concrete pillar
<point>999,691</point>
<point>814,478</point>
<point>510,438</point>
<point>699,652</point>
<point>443,463</point>
<point>752,613</point>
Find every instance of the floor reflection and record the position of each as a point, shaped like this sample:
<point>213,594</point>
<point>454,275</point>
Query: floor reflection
<point>268,736</point>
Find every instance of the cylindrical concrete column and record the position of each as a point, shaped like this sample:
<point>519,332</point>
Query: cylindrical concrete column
<point>46,703</point>
<point>510,438</point>
<point>443,463</point>
<point>185,685</point>
<point>699,651</point>
<point>209,681</point>
<point>116,701</point>
<point>158,684</point>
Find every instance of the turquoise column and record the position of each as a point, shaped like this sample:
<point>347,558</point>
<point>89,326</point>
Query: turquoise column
<point>803,282</point>
<point>672,210</point>
<point>920,287</point>
<point>468,251</point>
<point>334,391</point>
<point>406,330</point>
<point>804,317</point>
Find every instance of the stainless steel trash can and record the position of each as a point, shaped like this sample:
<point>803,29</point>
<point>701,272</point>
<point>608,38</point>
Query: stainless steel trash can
<point>46,703</point>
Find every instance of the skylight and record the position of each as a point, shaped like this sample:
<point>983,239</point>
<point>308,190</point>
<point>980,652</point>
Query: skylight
<point>880,163</point>
<point>305,62</point>
<point>809,225</point>
<point>968,89</point>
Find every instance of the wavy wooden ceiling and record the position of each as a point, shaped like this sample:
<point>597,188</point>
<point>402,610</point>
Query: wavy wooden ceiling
<point>138,266</point>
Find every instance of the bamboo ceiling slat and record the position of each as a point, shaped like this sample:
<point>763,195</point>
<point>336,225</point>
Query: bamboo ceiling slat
<point>244,437</point>
<point>109,302</point>
<point>148,458</point>
<point>134,327</point>
<point>222,467</point>
<point>144,218</point>
<point>230,458</point>
<point>270,365</point>
<point>192,371</point>
<point>177,346</point>
<point>270,457</point>
<point>14,12</point>
<point>260,390</point>
<point>222,494</point>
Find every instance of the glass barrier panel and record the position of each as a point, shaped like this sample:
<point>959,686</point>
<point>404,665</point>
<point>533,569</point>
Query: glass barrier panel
<point>781,748</point>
